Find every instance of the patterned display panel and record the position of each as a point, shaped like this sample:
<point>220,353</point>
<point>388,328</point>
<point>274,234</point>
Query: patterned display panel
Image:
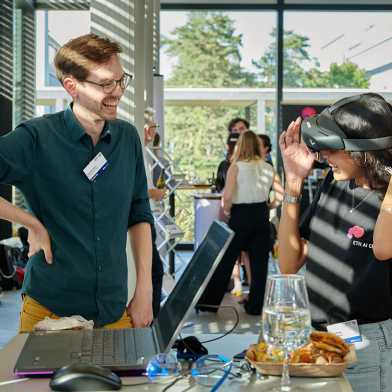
<point>6,48</point>
<point>116,21</point>
<point>62,4</point>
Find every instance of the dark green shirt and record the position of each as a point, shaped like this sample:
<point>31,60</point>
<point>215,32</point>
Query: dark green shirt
<point>87,220</point>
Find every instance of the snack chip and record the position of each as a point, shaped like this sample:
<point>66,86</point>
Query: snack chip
<point>324,348</point>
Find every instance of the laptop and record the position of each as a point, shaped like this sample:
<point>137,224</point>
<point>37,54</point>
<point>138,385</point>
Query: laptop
<point>127,351</point>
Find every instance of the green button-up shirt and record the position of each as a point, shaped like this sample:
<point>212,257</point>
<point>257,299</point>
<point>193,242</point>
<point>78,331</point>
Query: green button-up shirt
<point>87,220</point>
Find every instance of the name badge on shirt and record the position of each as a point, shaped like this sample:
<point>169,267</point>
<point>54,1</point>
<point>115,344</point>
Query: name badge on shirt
<point>348,331</point>
<point>95,167</point>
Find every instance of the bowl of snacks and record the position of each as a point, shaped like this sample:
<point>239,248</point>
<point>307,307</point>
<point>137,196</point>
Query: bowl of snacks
<point>326,355</point>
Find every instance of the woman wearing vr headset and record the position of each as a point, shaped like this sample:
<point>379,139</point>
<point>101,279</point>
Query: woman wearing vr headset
<point>337,237</point>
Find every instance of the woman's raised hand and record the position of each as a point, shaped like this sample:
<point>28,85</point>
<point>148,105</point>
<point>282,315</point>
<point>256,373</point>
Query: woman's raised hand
<point>297,158</point>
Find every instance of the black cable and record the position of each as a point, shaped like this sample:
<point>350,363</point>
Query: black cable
<point>187,346</point>
<point>154,383</point>
<point>237,321</point>
<point>172,383</point>
<point>137,384</point>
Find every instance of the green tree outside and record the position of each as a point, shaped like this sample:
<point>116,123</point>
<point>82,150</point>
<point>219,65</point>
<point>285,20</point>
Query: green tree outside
<point>301,70</point>
<point>207,51</point>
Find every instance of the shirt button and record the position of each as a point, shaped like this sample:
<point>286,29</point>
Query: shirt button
<point>100,268</point>
<point>98,238</point>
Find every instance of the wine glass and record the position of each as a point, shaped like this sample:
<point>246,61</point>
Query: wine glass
<point>286,318</point>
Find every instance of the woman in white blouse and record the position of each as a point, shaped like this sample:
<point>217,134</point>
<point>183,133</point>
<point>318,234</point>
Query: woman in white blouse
<point>245,197</point>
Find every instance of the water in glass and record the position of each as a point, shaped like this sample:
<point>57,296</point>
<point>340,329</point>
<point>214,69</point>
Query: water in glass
<point>286,317</point>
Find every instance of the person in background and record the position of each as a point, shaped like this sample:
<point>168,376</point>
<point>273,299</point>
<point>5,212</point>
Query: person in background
<point>220,184</point>
<point>265,150</point>
<point>225,164</point>
<point>343,236</point>
<point>266,147</point>
<point>157,169</point>
<point>80,213</point>
<point>235,127</point>
<point>238,125</point>
<point>155,195</point>
<point>245,196</point>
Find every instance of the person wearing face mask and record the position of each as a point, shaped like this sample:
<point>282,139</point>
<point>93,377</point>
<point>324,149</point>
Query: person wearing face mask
<point>348,270</point>
<point>82,173</point>
<point>238,125</point>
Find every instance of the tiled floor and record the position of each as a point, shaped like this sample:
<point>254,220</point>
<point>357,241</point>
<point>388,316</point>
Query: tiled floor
<point>10,302</point>
<point>204,322</point>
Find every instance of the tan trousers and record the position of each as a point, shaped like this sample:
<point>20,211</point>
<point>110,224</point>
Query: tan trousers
<point>32,312</point>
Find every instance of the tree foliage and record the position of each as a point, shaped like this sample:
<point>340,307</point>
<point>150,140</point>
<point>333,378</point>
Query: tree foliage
<point>207,51</point>
<point>295,59</point>
<point>301,70</point>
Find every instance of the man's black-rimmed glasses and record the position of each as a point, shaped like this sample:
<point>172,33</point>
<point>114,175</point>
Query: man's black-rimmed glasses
<point>110,86</point>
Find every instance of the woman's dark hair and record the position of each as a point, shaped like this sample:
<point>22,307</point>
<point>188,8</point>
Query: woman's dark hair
<point>369,117</point>
<point>230,143</point>
<point>235,121</point>
<point>266,141</point>
<point>157,140</point>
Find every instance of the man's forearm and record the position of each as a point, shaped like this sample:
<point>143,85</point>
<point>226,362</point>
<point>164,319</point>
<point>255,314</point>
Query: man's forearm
<point>141,243</point>
<point>14,214</point>
<point>290,243</point>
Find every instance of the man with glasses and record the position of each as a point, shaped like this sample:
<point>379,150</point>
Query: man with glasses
<point>82,173</point>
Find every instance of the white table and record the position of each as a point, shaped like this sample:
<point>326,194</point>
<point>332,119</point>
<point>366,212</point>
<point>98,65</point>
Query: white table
<point>228,346</point>
<point>206,207</point>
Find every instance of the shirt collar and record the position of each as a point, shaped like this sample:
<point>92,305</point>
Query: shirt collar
<point>77,131</point>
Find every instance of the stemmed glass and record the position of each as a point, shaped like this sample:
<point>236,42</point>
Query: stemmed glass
<point>286,318</point>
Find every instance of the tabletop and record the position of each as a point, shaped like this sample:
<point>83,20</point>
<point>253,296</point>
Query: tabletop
<point>228,346</point>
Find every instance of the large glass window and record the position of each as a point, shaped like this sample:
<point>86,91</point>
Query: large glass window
<point>53,30</point>
<point>221,51</point>
<point>338,50</point>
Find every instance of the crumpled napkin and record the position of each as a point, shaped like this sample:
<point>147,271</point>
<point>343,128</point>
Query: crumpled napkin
<point>73,322</point>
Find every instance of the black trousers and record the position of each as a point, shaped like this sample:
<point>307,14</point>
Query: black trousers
<point>157,275</point>
<point>250,223</point>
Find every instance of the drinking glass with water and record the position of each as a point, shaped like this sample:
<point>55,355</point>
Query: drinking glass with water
<point>286,318</point>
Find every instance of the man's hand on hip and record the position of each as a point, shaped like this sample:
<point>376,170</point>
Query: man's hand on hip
<point>140,308</point>
<point>38,239</point>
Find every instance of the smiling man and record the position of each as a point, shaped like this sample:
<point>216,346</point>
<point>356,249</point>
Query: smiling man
<point>81,171</point>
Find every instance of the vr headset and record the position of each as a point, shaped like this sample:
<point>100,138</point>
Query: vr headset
<point>321,132</point>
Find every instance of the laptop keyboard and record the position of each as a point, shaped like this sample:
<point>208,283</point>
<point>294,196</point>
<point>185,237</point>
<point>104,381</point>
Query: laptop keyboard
<point>109,347</point>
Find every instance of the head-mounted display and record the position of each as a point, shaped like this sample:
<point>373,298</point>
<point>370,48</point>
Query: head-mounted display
<point>321,132</point>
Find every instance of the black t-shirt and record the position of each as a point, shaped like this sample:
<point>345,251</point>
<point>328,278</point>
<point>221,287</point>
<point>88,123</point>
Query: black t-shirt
<point>345,281</point>
<point>221,175</point>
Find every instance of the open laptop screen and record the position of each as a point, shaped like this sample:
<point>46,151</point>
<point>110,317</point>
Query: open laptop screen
<point>191,284</point>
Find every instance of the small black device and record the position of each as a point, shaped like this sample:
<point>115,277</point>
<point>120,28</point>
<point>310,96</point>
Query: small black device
<point>240,356</point>
<point>189,348</point>
<point>321,132</point>
<point>83,377</point>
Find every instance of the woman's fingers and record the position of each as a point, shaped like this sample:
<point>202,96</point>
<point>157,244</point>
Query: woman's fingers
<point>292,135</point>
<point>293,131</point>
<point>296,130</point>
<point>282,140</point>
